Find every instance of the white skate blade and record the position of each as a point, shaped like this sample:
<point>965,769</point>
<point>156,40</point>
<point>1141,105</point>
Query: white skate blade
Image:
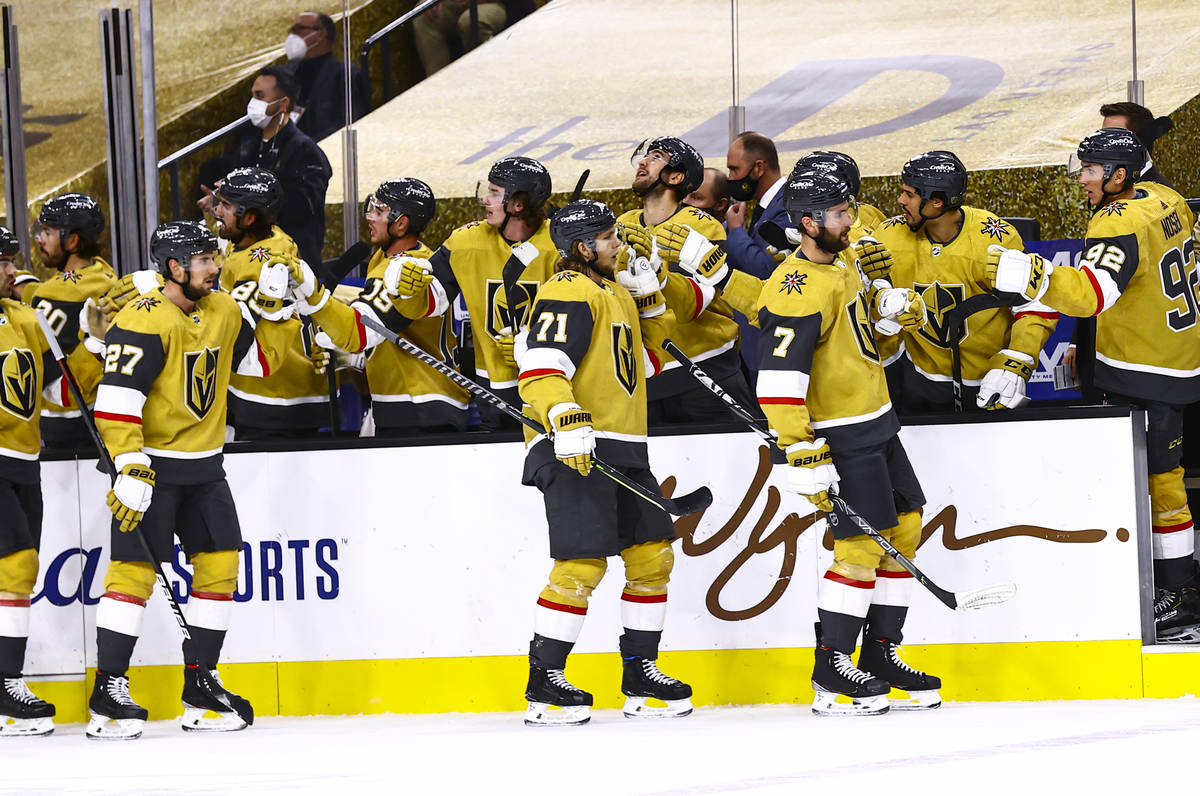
<point>541,714</point>
<point>202,720</point>
<point>26,727</point>
<point>825,704</point>
<point>638,707</point>
<point>102,728</point>
<point>989,595</point>
<point>916,700</point>
<point>1180,635</point>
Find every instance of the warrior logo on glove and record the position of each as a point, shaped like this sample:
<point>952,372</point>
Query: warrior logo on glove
<point>201,380</point>
<point>17,392</point>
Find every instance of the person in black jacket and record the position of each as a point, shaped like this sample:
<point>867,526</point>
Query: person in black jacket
<point>320,108</point>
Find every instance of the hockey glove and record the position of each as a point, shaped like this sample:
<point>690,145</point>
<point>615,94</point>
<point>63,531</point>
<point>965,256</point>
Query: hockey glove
<point>574,438</point>
<point>1014,271</point>
<point>307,290</point>
<point>695,254</point>
<point>904,307</point>
<point>129,287</point>
<point>641,279</point>
<point>874,260</point>
<point>811,472</point>
<point>505,341</point>
<point>1003,386</point>
<point>270,298</point>
<point>638,238</point>
<point>94,323</point>
<point>407,276</point>
<point>131,492</point>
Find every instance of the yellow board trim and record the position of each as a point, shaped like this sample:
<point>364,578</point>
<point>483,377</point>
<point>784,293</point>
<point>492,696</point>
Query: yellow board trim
<point>970,673</point>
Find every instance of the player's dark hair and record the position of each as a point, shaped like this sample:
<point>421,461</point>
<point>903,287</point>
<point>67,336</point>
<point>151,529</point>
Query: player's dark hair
<point>1138,115</point>
<point>758,147</point>
<point>285,84</point>
<point>531,215</point>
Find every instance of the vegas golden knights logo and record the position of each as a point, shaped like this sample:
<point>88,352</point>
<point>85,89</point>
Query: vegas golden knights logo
<point>18,392</point>
<point>939,300</point>
<point>200,368</point>
<point>500,315</point>
<point>624,357</point>
<point>860,323</point>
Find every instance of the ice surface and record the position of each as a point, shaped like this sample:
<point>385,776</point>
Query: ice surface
<point>972,748</point>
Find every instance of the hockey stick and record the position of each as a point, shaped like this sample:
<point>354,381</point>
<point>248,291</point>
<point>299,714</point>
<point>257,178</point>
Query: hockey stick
<point>350,259</point>
<point>204,680</point>
<point>956,320</point>
<point>978,598</point>
<point>583,178</point>
<point>680,506</point>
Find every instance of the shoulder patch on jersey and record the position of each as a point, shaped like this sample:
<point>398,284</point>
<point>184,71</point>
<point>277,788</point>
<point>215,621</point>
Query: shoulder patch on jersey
<point>893,221</point>
<point>69,276</point>
<point>1114,208</point>
<point>995,227</point>
<point>146,303</point>
<point>565,276</point>
<point>260,255</point>
<point>698,213</point>
<point>792,283</point>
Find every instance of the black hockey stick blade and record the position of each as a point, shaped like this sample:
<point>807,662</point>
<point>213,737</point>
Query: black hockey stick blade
<point>349,260</point>
<point>203,678</point>
<point>583,178</point>
<point>691,503</point>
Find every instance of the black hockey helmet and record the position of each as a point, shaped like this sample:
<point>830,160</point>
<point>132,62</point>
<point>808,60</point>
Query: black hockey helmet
<point>251,188</point>
<point>841,165</point>
<point>1111,147</point>
<point>938,171</point>
<point>811,193</point>
<point>681,156</point>
<point>180,240</point>
<point>581,220</point>
<point>516,174</point>
<point>406,196</point>
<point>73,212</point>
<point>9,244</point>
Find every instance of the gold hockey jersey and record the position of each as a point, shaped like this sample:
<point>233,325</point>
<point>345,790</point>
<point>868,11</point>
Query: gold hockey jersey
<point>866,221</point>
<point>704,326</point>
<point>405,393</point>
<point>60,299</point>
<point>946,275</point>
<point>166,376</point>
<point>294,395</point>
<point>819,371</point>
<point>473,261</point>
<point>586,345</point>
<point>1138,273</point>
<point>24,360</point>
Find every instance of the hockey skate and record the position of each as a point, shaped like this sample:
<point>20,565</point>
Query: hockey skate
<point>22,713</point>
<point>882,659</point>
<point>553,701</point>
<point>1177,615</point>
<point>203,710</point>
<point>834,675</point>
<point>115,716</point>
<point>642,681</point>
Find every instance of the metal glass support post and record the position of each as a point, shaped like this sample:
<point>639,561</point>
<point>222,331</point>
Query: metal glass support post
<point>127,218</point>
<point>1135,89</point>
<point>149,112</point>
<point>737,111</point>
<point>16,195</point>
<point>349,147</point>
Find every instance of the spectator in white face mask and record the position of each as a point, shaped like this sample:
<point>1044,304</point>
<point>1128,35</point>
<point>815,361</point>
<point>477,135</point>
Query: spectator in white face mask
<point>301,166</point>
<point>320,108</point>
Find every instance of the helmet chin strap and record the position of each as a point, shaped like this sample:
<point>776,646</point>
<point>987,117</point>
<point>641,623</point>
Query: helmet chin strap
<point>1105,194</point>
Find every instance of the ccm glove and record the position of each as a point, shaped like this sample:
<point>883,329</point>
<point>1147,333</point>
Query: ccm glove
<point>407,276</point>
<point>131,492</point>
<point>574,438</point>
<point>904,307</point>
<point>1003,386</point>
<point>874,260</point>
<point>307,290</point>
<point>811,472</point>
<point>1014,271</point>
<point>696,254</point>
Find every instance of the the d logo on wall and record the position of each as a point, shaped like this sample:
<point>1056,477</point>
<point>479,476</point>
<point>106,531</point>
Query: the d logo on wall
<point>201,389</point>
<point>18,382</point>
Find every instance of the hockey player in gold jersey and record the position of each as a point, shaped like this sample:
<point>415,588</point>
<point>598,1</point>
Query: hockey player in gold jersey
<point>497,266</point>
<point>160,410</point>
<point>667,170</point>
<point>293,402</point>
<point>1138,275</point>
<point>406,396</point>
<point>23,363</point>
<point>939,249</point>
<point>867,217</point>
<point>583,376</point>
<point>823,389</point>
<point>67,232</point>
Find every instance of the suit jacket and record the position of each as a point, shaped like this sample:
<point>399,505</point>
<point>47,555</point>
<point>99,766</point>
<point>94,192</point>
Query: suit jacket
<point>323,94</point>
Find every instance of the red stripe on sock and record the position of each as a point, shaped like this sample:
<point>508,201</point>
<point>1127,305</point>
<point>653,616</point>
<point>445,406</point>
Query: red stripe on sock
<point>15,603</point>
<point>211,595</point>
<point>124,598</point>
<point>567,609</point>
<point>1172,528</point>
<point>643,598</point>
<point>858,584</point>
<point>887,573</point>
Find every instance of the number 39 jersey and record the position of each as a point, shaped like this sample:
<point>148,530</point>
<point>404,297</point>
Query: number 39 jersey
<point>1138,273</point>
<point>820,373</point>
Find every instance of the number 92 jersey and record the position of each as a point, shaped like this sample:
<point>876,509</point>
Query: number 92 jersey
<point>820,373</point>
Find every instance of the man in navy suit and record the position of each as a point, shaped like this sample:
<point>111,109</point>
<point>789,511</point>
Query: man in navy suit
<point>754,174</point>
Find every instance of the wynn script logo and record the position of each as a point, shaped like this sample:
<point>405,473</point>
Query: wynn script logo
<point>767,534</point>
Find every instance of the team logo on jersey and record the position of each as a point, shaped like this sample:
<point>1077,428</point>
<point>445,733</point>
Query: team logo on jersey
<point>146,303</point>
<point>939,300</point>
<point>995,228</point>
<point>200,372</point>
<point>69,276</point>
<point>860,323</point>
<point>894,221</point>
<point>624,357</point>
<point>566,276</point>
<point>792,283</point>
<point>18,382</point>
<point>516,317</point>
<point>1113,209</point>
<point>260,255</point>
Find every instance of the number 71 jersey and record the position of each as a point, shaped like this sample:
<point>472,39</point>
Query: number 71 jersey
<point>1141,258</point>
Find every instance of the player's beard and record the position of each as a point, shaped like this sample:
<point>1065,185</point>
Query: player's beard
<point>232,234</point>
<point>830,243</point>
<point>192,292</point>
<point>54,261</point>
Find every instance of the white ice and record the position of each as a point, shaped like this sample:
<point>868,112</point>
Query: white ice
<point>969,748</point>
